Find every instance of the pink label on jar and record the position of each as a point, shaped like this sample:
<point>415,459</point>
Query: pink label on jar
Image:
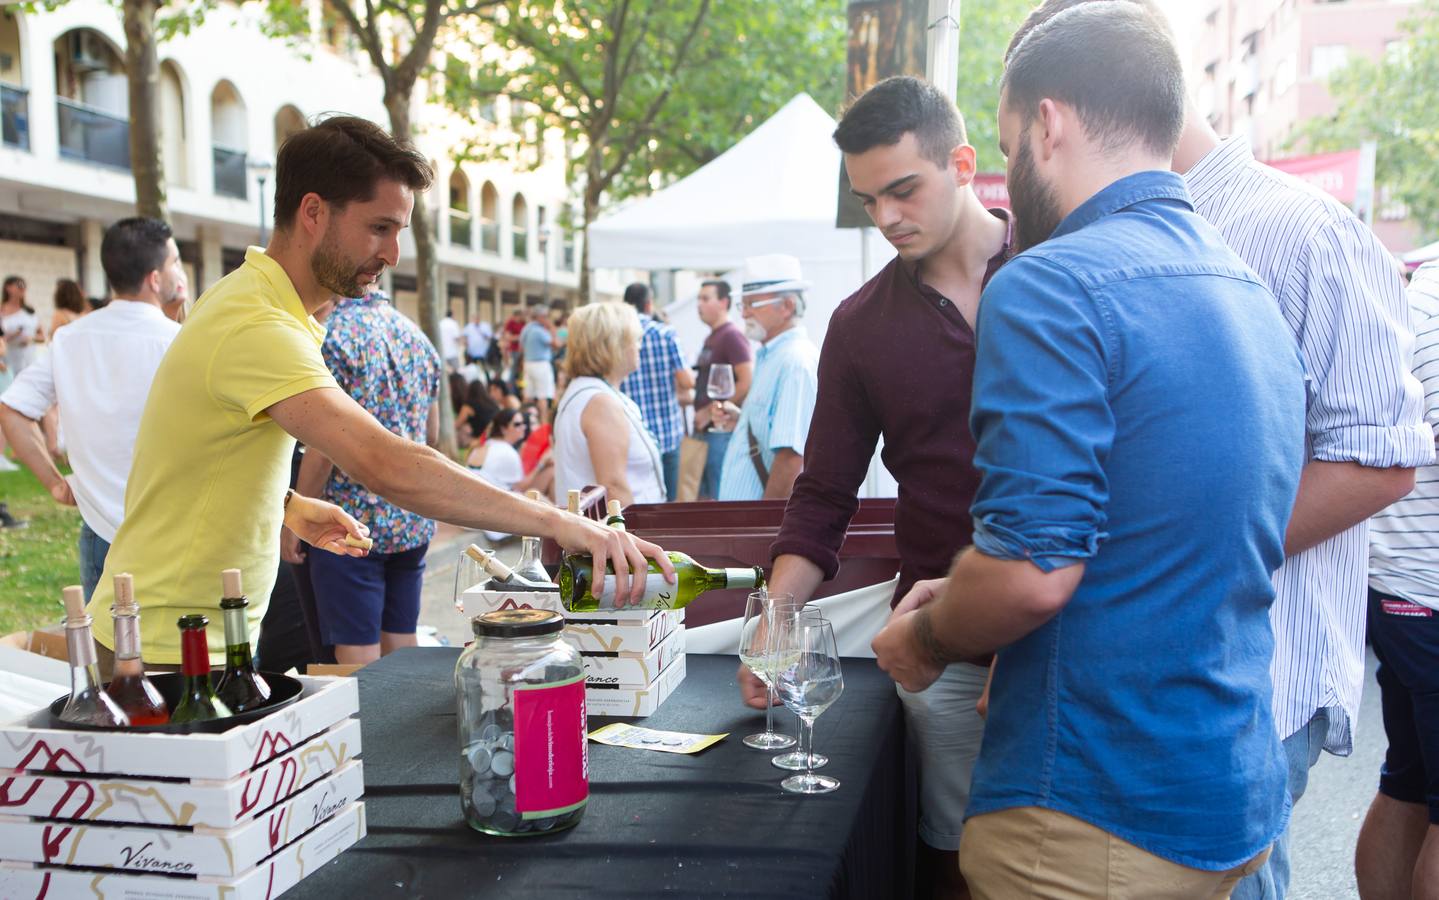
<point>552,764</point>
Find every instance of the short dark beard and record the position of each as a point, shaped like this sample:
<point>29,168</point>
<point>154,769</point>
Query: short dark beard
<point>334,272</point>
<point>1036,208</point>
<point>929,643</point>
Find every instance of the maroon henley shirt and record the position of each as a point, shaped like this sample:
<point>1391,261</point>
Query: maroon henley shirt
<point>898,360</point>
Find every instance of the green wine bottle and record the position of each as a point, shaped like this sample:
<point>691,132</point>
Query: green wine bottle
<point>197,698</point>
<point>241,687</point>
<point>616,518</point>
<point>577,577</point>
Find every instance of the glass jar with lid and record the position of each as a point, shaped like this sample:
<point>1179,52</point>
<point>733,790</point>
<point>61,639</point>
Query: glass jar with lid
<point>520,703</point>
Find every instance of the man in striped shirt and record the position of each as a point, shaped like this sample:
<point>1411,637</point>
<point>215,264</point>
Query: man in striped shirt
<point>1398,852</point>
<point>1341,296</point>
<point>655,386</point>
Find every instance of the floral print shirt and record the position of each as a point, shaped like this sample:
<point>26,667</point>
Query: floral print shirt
<point>387,365</point>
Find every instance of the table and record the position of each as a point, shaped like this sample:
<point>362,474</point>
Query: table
<point>714,824</point>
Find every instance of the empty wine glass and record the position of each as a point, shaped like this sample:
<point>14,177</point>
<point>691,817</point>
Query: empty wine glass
<point>808,682</point>
<point>468,574</point>
<point>719,387</point>
<point>755,651</point>
<point>787,619</point>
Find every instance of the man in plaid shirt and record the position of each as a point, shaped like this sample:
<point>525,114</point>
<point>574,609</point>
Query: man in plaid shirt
<point>655,385</point>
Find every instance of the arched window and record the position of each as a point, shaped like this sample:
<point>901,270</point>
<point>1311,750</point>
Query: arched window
<point>288,122</point>
<point>92,99</point>
<point>520,226</point>
<point>460,232</point>
<point>173,147</point>
<point>14,99</point>
<point>230,140</point>
<point>489,218</point>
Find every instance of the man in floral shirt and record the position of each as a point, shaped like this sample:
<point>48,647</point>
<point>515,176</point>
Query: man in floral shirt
<point>369,605</point>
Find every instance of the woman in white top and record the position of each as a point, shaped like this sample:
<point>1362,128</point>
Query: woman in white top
<point>18,325</point>
<point>600,437</point>
<point>496,460</point>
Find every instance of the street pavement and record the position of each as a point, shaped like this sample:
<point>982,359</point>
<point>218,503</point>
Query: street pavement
<point>1325,824</point>
<point>1327,820</point>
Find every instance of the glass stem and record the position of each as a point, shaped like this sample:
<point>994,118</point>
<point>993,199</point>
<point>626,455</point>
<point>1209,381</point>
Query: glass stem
<point>808,750</point>
<point>769,708</point>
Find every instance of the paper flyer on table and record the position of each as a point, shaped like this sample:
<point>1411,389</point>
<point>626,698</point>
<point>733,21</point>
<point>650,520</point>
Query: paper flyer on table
<point>637,738</point>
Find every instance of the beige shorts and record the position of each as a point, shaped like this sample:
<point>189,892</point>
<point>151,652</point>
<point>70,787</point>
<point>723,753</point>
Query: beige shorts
<point>539,381</point>
<point>1030,851</point>
<point>945,731</point>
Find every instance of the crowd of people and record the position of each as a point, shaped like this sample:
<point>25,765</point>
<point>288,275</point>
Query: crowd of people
<point>1134,520</point>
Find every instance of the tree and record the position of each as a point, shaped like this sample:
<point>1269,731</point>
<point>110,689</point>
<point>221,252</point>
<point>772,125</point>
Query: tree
<point>142,69</point>
<point>649,90</point>
<point>399,36</point>
<point>985,30</point>
<point>1391,101</point>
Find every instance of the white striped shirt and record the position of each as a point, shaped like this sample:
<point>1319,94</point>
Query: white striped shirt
<point>1341,295</point>
<point>1404,539</point>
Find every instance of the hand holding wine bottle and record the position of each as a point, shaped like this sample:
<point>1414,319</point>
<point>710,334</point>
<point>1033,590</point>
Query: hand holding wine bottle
<point>626,552</point>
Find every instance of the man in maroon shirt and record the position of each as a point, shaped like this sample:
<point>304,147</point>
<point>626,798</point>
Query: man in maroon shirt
<point>898,361</point>
<point>726,344</point>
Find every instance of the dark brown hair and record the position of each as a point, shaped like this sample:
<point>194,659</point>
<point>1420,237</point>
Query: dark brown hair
<point>68,296</point>
<point>342,159</point>
<point>898,106</point>
<point>130,250</point>
<point>1051,8</point>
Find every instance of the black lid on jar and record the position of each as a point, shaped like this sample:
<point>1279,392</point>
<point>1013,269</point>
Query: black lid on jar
<point>511,623</point>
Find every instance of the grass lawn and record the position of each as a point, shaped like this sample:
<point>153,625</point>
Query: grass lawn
<point>35,562</point>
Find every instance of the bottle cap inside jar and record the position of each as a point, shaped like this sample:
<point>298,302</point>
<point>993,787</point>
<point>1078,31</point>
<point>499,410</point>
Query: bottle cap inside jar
<point>517,623</point>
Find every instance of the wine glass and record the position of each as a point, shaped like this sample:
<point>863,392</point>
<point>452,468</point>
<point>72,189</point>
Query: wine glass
<point>468,574</point>
<point>787,620</point>
<point>809,682</point>
<point>719,387</point>
<point>755,637</point>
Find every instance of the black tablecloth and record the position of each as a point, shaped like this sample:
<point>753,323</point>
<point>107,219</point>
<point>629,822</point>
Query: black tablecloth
<point>714,824</point>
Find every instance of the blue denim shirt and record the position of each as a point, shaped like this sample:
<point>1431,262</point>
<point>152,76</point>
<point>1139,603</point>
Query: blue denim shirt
<point>1139,408</point>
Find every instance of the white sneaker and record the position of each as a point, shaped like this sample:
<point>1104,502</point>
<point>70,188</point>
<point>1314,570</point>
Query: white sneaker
<point>6,465</point>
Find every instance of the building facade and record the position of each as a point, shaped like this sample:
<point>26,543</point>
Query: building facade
<point>229,97</point>
<point>1262,67</point>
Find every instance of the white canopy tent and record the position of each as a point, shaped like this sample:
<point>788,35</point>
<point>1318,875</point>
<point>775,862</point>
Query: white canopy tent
<point>773,192</point>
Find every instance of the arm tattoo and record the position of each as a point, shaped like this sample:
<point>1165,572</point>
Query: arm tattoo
<point>928,642</point>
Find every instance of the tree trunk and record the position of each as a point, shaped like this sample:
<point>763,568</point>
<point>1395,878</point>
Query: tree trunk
<point>142,69</point>
<point>427,268</point>
<point>591,209</point>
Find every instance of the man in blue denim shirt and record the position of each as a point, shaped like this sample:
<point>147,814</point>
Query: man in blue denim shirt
<point>1138,408</point>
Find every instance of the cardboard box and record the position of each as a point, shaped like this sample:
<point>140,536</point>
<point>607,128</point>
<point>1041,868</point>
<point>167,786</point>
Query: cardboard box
<point>271,878</point>
<point>32,745</point>
<point>477,602</point>
<point>195,851</point>
<point>43,643</point>
<point>632,668</point>
<point>198,803</point>
<point>623,636</point>
<point>604,701</point>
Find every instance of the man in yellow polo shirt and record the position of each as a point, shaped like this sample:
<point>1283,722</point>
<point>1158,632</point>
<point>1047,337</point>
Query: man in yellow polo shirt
<point>244,378</point>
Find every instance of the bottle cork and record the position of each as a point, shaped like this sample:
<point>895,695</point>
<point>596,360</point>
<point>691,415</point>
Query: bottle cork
<point>574,502</point>
<point>74,598</point>
<point>616,509</point>
<point>489,562</point>
<point>125,604</point>
<point>230,583</point>
<point>364,543</point>
<point>534,495</point>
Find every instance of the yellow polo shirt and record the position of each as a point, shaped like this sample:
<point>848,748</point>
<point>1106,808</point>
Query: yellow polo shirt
<point>207,487</point>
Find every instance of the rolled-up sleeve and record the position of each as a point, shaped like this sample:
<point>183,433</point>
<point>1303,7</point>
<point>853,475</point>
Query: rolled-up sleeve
<point>33,392</point>
<point>1357,343</point>
<point>1041,417</point>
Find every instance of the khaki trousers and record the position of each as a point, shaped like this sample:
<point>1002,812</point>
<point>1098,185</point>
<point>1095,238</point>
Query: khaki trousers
<point>1032,852</point>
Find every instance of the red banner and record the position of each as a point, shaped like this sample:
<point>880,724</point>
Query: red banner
<point>1336,174</point>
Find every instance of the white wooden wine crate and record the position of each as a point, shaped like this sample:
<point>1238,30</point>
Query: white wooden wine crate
<point>33,745</point>
<point>475,602</point>
<point>269,879</point>
<point>200,851</point>
<point>617,701</point>
<point>195,803</point>
<point>632,668</point>
<point>618,636</point>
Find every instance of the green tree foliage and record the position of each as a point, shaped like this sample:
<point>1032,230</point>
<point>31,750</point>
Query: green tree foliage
<point>646,91</point>
<point>1392,101</point>
<point>985,29</point>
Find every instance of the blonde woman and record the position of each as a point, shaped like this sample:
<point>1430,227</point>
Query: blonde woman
<point>600,437</point>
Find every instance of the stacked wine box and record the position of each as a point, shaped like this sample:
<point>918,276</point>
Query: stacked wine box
<point>633,659</point>
<point>246,813</point>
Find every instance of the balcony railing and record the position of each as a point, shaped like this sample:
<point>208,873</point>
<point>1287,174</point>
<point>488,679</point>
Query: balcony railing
<point>15,116</point>
<point>522,244</point>
<point>232,179</point>
<point>567,256</point>
<point>490,237</point>
<point>460,228</point>
<point>93,135</point>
